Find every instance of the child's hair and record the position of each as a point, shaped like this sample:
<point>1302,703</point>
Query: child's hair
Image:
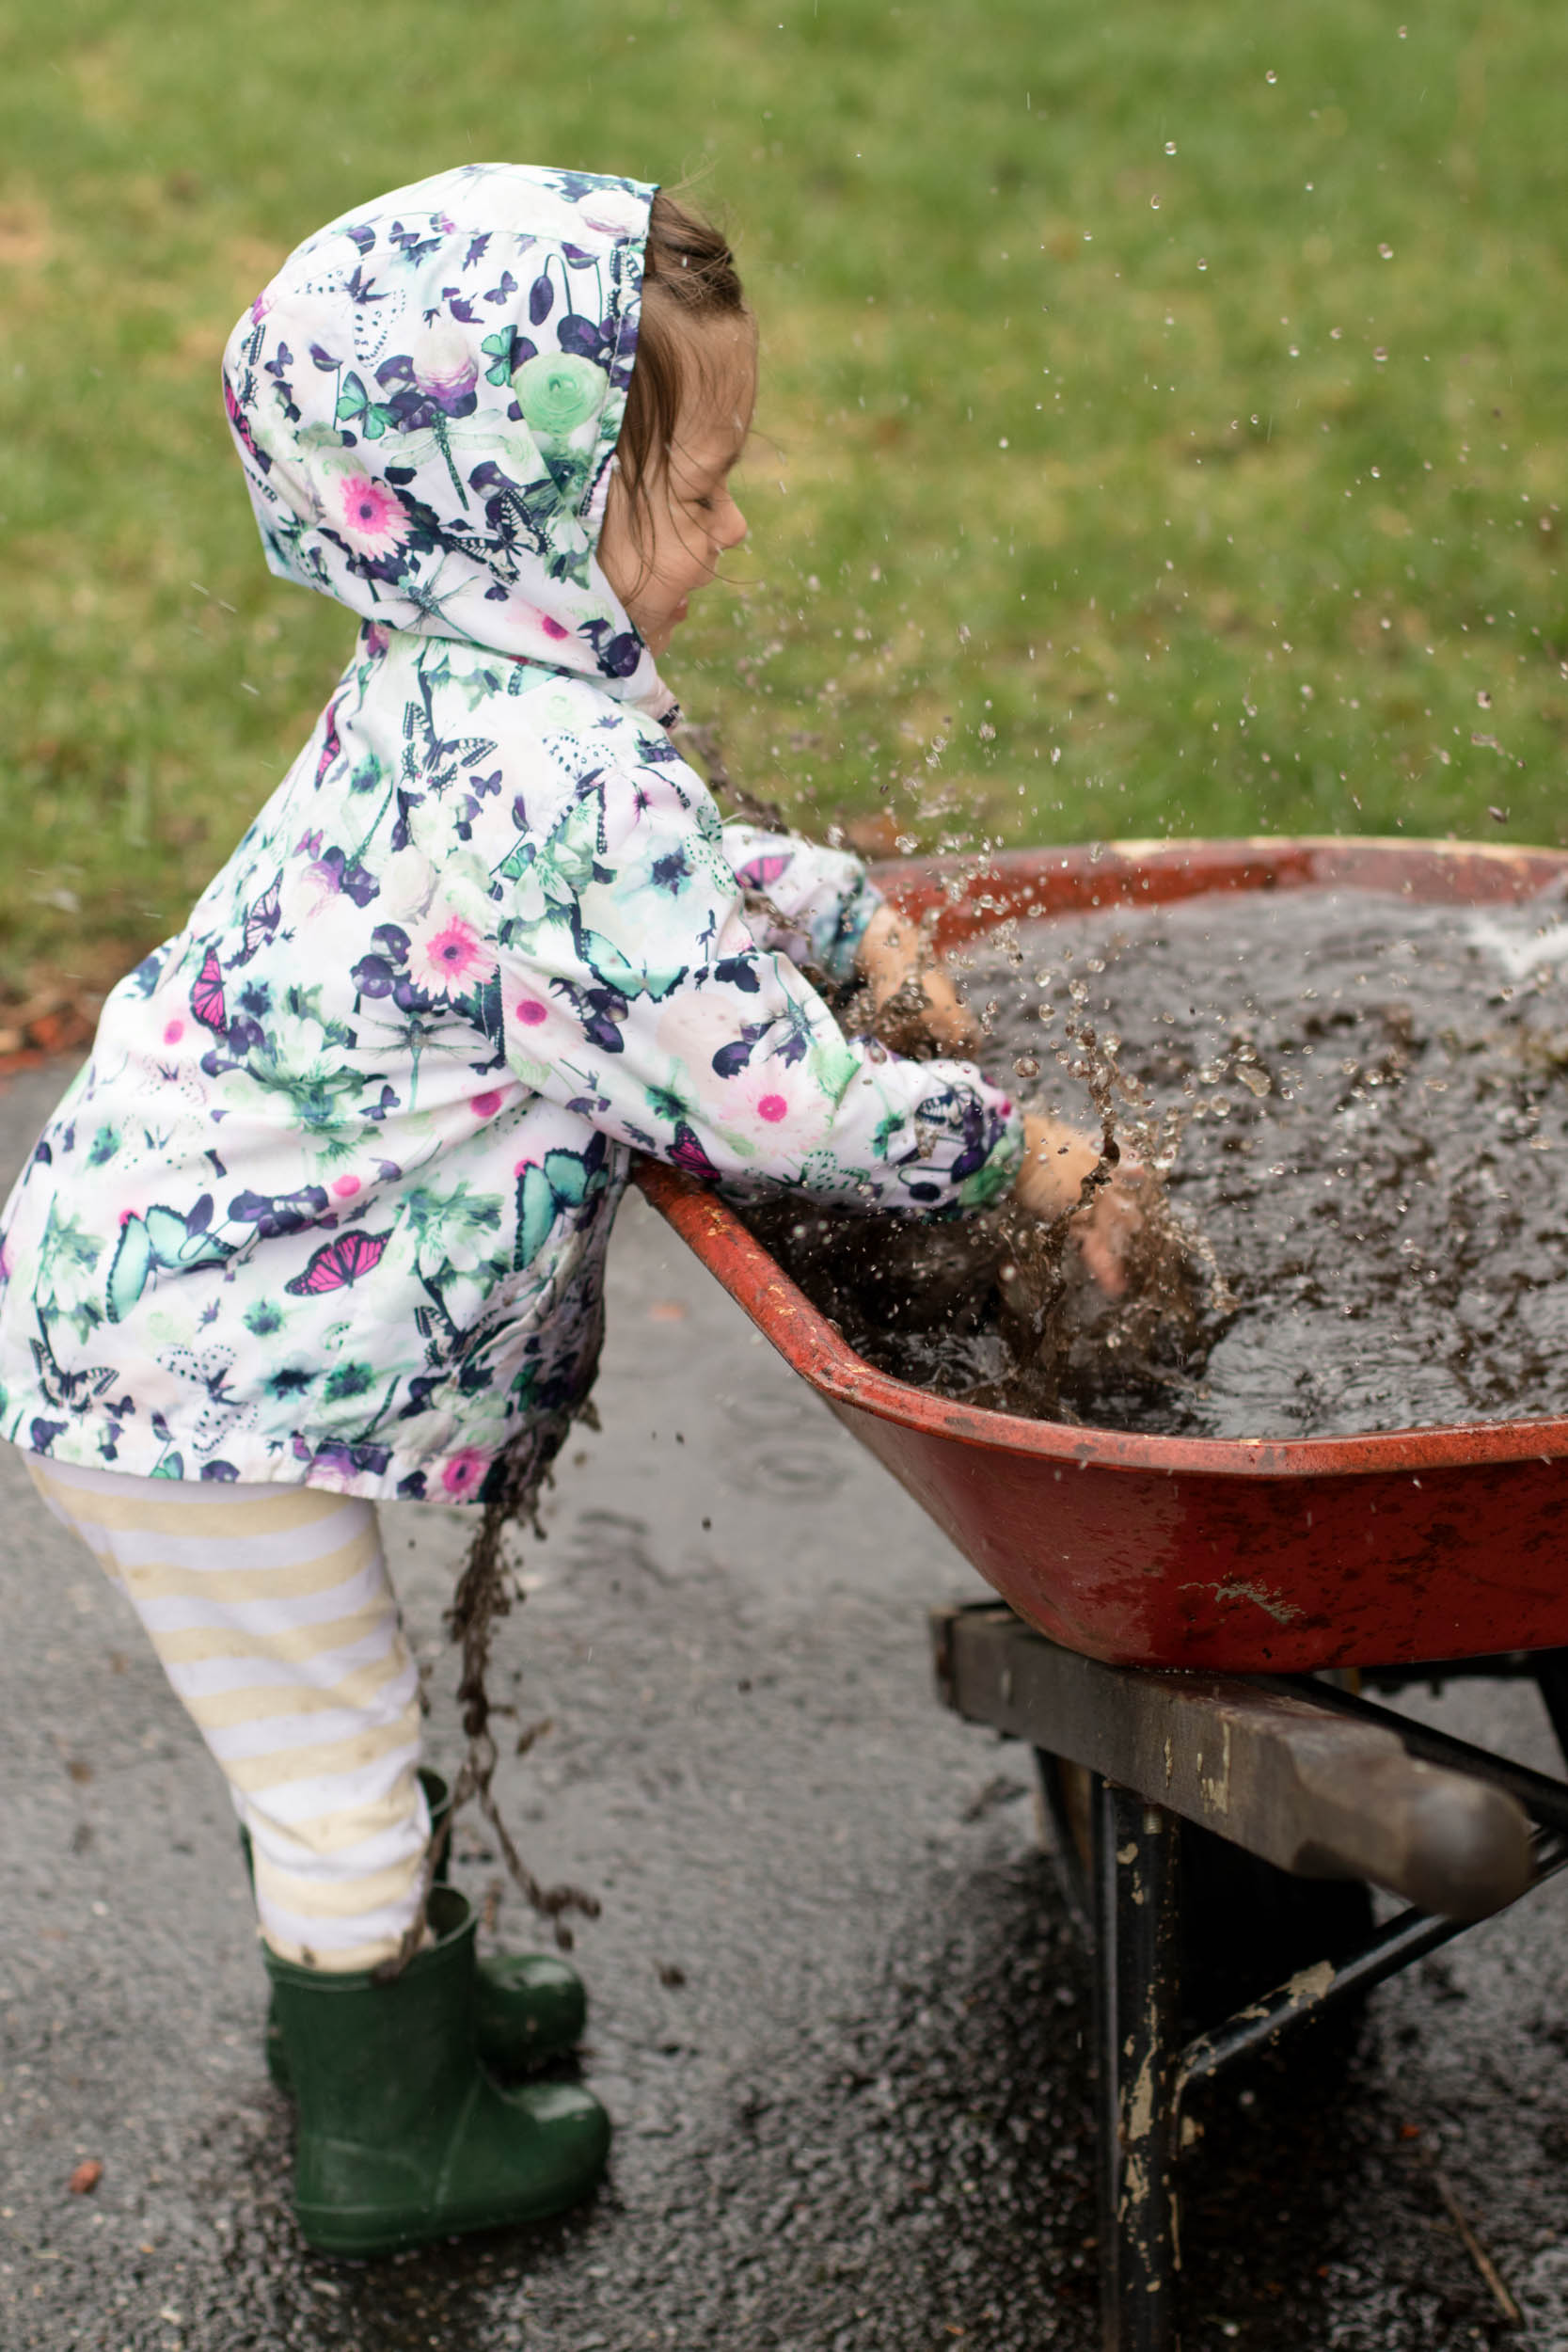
<point>689,279</point>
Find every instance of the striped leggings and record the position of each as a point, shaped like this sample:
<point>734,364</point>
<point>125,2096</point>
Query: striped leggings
<point>272,1613</point>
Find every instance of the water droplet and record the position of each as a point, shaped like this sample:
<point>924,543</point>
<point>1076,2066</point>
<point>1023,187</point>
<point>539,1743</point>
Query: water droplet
<point>1483,698</point>
<point>1153,203</point>
<point>1386,252</point>
<point>1203,266</point>
<point>1271,76</point>
<point>1380,353</point>
<point>1026,1066</point>
<point>1170,147</point>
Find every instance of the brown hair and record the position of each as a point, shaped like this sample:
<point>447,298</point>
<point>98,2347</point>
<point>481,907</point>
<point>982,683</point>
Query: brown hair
<point>689,279</point>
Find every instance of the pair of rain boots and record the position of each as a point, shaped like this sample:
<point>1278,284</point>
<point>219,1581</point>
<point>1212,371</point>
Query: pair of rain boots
<point>404,2133</point>
<point>528,2006</point>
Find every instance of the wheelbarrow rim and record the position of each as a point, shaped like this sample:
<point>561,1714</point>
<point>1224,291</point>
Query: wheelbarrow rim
<point>959,899</point>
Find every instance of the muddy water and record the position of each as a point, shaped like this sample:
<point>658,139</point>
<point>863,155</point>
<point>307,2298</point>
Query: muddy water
<point>1360,1107</point>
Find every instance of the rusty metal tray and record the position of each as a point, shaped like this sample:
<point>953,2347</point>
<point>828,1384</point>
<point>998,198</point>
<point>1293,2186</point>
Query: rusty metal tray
<point>1261,1556</point>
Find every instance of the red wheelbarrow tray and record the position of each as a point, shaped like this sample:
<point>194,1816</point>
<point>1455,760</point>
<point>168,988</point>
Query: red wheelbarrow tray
<point>1258,1556</point>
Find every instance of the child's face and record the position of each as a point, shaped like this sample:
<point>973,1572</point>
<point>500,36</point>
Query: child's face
<point>657,558</point>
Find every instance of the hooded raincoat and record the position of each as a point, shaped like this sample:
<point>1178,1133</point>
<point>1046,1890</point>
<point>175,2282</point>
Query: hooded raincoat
<point>329,1201</point>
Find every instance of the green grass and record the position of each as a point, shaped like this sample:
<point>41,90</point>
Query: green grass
<point>1140,481</point>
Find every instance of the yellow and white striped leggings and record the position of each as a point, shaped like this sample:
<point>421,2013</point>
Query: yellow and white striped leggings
<point>271,1609</point>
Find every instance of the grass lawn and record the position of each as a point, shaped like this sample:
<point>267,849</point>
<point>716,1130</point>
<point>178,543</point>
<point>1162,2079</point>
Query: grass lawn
<point>1163,428</point>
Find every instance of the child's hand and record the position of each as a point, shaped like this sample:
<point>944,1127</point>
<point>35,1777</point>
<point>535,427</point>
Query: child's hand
<point>892,960</point>
<point>1056,1160</point>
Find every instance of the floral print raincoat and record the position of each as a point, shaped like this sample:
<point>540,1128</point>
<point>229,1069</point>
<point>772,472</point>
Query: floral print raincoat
<point>329,1201</point>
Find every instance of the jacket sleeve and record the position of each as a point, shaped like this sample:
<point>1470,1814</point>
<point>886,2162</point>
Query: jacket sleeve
<point>634,994</point>
<point>823,894</point>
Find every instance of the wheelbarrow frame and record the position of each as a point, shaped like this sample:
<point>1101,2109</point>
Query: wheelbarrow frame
<point>1314,1779</point>
<point>1170,1601</point>
<point>1310,1777</point>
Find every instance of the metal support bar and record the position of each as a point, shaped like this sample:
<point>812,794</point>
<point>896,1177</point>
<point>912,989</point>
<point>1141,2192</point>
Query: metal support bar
<point>1314,1991</point>
<point>1135,1894</point>
<point>1504,1666</point>
<point>1551,1678</point>
<point>1277,1770</point>
<point>1544,1799</point>
<point>1306,1775</point>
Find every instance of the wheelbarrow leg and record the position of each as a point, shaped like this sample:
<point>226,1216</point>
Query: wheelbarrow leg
<point>1550,1667</point>
<point>1135,1897</point>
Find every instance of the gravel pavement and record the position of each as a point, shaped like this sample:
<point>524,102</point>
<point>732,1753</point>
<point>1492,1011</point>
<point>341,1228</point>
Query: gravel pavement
<point>838,2014</point>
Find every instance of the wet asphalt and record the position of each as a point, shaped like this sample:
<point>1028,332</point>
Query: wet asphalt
<point>838,2010</point>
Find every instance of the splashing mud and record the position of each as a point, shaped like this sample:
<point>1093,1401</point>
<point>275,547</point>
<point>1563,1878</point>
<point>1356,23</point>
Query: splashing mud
<point>1359,1109</point>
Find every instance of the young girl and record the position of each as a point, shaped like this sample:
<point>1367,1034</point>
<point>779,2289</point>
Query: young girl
<point>324,1218</point>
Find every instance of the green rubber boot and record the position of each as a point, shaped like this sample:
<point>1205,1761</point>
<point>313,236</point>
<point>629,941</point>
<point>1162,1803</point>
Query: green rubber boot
<point>402,2135</point>
<point>529,2006</point>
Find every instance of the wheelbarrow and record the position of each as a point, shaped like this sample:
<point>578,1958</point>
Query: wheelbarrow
<point>1188,1628</point>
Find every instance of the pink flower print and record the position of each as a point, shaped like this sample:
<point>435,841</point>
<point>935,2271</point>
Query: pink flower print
<point>174,1031</point>
<point>448,960</point>
<point>464,1473</point>
<point>552,627</point>
<point>530,1012</point>
<point>367,513</point>
<point>345,1187</point>
<point>484,1105</point>
<point>766,1096</point>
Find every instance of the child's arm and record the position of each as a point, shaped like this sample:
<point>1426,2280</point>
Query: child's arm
<point>826,897</point>
<point>634,993</point>
<point>833,909</point>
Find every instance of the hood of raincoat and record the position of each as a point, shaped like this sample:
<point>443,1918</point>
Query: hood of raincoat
<point>426,401</point>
